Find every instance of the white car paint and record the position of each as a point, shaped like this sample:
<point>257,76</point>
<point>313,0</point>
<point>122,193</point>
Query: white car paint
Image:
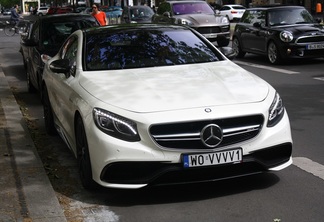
<point>159,95</point>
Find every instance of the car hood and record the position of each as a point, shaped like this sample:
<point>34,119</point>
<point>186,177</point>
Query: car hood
<point>303,29</point>
<point>175,87</point>
<point>200,19</point>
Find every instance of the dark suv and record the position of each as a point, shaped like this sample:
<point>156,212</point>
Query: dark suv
<point>198,15</point>
<point>280,32</point>
<point>45,36</point>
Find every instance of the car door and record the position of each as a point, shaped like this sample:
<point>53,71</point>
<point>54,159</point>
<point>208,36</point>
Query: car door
<point>253,33</point>
<point>25,39</point>
<point>63,94</point>
<point>35,56</point>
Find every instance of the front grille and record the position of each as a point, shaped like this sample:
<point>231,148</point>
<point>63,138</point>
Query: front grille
<point>310,39</point>
<point>209,30</point>
<point>186,135</point>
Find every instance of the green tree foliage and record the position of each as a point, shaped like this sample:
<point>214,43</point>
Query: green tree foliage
<point>9,3</point>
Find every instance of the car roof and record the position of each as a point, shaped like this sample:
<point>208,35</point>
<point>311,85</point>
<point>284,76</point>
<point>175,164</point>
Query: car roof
<point>133,26</point>
<point>233,5</point>
<point>275,7</point>
<point>58,17</point>
<point>184,1</point>
<point>137,6</point>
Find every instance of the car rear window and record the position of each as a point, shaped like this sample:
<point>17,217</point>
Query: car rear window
<point>146,48</point>
<point>239,7</point>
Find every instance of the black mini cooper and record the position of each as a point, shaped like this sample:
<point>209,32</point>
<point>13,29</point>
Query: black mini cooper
<point>280,32</point>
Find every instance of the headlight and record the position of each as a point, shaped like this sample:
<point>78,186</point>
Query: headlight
<point>184,22</point>
<point>286,36</point>
<point>222,19</point>
<point>115,125</point>
<point>276,111</point>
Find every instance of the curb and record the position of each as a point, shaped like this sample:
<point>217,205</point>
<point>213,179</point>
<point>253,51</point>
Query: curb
<point>37,200</point>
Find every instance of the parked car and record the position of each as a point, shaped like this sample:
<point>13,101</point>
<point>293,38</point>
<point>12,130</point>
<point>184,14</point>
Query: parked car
<point>198,15</point>
<point>24,36</point>
<point>7,12</point>
<point>45,36</point>
<point>233,12</point>
<point>281,33</point>
<point>42,11</point>
<point>112,11</point>
<point>64,10</point>
<point>52,10</point>
<point>137,14</point>
<point>152,104</point>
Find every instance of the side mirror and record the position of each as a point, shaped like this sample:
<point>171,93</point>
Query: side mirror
<point>318,20</point>
<point>167,14</point>
<point>60,66</point>
<point>257,24</point>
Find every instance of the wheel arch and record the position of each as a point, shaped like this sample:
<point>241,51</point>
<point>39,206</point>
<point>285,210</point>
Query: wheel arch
<point>77,115</point>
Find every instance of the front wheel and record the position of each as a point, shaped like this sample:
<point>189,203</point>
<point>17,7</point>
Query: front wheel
<point>10,30</point>
<point>30,87</point>
<point>237,48</point>
<point>83,156</point>
<point>273,54</point>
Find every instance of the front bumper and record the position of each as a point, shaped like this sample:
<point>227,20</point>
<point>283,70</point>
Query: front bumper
<point>121,164</point>
<point>162,173</point>
<point>303,50</point>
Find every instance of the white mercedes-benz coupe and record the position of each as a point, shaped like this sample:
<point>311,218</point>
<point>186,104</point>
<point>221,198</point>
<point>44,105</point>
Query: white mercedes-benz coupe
<point>148,104</point>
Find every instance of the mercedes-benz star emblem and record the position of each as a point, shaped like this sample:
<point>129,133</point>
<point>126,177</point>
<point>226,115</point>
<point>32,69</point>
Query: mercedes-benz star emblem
<point>211,135</point>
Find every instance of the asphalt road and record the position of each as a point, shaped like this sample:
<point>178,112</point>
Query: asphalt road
<point>294,194</point>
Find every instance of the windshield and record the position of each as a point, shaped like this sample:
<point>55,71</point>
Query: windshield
<point>55,33</point>
<point>140,13</point>
<point>289,17</point>
<point>146,48</point>
<point>192,8</point>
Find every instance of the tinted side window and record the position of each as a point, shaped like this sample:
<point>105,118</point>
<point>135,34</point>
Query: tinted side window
<point>225,8</point>
<point>35,32</point>
<point>55,33</point>
<point>253,16</point>
<point>69,51</point>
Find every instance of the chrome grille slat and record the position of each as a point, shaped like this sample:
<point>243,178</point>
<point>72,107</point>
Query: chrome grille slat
<point>310,39</point>
<point>187,135</point>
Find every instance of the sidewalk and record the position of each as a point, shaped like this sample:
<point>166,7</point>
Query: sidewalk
<point>26,193</point>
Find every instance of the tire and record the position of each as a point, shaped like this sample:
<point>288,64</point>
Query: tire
<point>273,53</point>
<point>30,87</point>
<point>83,157</point>
<point>222,41</point>
<point>237,48</point>
<point>48,114</point>
<point>9,30</point>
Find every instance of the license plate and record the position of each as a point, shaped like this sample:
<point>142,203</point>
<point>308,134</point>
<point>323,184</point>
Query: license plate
<point>209,159</point>
<point>315,46</point>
